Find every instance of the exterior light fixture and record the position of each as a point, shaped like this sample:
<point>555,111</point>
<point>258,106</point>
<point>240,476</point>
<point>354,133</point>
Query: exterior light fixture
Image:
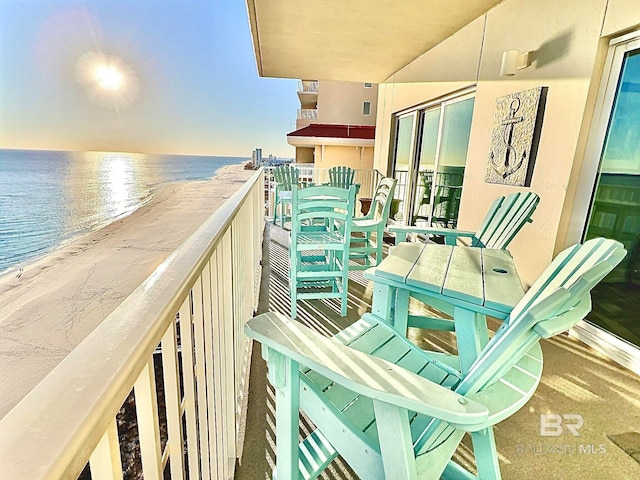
<point>512,61</point>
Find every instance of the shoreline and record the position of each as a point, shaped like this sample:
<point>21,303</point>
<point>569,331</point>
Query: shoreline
<point>156,190</point>
<point>61,297</point>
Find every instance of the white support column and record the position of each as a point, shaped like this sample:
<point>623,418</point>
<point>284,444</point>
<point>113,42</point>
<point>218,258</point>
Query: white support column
<point>148,427</point>
<point>105,461</point>
<point>201,376</point>
<point>226,348</point>
<point>189,375</point>
<point>172,401</point>
<point>211,368</point>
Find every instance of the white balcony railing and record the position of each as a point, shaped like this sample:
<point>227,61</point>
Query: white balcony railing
<point>308,86</point>
<point>183,326</point>
<point>307,114</point>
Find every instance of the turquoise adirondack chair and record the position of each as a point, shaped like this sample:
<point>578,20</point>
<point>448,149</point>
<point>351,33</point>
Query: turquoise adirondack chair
<point>506,216</point>
<point>341,176</point>
<point>393,411</point>
<point>286,179</point>
<point>321,218</point>
<point>368,231</point>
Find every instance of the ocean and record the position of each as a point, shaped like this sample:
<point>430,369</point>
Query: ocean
<point>49,197</point>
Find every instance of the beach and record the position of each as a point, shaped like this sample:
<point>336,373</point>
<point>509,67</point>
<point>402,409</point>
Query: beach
<point>52,304</point>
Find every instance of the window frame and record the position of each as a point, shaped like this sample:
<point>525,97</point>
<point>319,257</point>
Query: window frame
<point>418,114</point>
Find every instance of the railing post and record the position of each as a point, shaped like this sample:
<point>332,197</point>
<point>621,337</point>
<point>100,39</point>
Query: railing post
<point>105,462</point>
<point>147,414</point>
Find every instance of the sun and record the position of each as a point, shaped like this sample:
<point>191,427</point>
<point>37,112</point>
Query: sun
<point>107,80</point>
<point>108,77</point>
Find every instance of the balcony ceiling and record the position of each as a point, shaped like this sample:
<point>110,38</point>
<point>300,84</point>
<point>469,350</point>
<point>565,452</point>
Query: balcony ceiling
<point>354,40</point>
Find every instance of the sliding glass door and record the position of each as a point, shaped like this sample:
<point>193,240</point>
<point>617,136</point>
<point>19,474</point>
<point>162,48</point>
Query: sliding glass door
<point>615,205</point>
<point>430,153</point>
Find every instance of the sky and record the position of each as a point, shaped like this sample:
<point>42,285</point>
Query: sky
<point>149,76</point>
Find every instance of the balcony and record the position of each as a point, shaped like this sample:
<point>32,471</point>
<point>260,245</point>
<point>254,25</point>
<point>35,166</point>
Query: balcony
<point>191,414</point>
<point>306,116</point>
<point>310,114</point>
<point>308,93</point>
<point>308,86</point>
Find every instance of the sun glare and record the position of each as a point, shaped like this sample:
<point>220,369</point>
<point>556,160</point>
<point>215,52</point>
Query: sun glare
<point>108,77</point>
<point>107,80</point>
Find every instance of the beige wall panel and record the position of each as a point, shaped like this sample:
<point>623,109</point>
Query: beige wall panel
<point>563,36</point>
<point>621,15</point>
<point>533,249</point>
<point>565,42</point>
<point>344,155</point>
<point>304,155</point>
<point>341,103</point>
<point>455,59</point>
<point>563,50</point>
<point>367,158</point>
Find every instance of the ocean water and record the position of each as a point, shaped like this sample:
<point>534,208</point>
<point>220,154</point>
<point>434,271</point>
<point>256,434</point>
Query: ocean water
<point>48,197</point>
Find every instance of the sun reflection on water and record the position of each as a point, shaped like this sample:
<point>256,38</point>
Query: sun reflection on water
<point>120,182</point>
<point>113,184</point>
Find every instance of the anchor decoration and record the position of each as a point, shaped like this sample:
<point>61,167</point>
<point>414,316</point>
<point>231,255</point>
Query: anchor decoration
<point>509,165</point>
<point>512,147</point>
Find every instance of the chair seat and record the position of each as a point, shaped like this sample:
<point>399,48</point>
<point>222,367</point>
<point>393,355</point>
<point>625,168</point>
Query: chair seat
<point>361,224</point>
<point>320,240</point>
<point>502,398</point>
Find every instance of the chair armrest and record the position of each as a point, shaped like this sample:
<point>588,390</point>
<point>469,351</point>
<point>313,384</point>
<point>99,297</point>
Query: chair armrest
<point>364,374</point>
<point>368,216</point>
<point>450,234</point>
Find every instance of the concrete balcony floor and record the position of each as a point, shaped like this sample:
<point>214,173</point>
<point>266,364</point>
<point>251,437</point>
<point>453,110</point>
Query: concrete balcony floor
<point>577,381</point>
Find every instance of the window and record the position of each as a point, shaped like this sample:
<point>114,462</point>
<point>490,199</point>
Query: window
<point>430,152</point>
<point>368,85</point>
<point>366,108</point>
<point>615,201</point>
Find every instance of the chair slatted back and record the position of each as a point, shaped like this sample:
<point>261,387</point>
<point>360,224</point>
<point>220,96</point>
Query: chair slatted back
<point>285,176</point>
<point>504,220</point>
<point>322,204</point>
<point>556,302</point>
<point>341,176</point>
<point>381,204</point>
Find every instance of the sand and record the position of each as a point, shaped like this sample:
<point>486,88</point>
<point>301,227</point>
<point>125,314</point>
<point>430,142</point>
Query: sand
<point>59,299</point>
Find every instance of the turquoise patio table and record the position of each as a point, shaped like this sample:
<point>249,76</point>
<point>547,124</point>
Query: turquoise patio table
<point>468,283</point>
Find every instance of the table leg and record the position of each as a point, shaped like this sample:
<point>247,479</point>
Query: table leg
<point>472,335</point>
<point>401,311</point>
<point>382,301</point>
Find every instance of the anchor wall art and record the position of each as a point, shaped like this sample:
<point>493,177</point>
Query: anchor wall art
<point>514,137</point>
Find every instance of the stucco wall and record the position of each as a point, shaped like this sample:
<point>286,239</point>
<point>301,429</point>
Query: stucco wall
<point>349,156</point>
<point>304,155</point>
<point>341,102</point>
<point>621,14</point>
<point>566,40</point>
